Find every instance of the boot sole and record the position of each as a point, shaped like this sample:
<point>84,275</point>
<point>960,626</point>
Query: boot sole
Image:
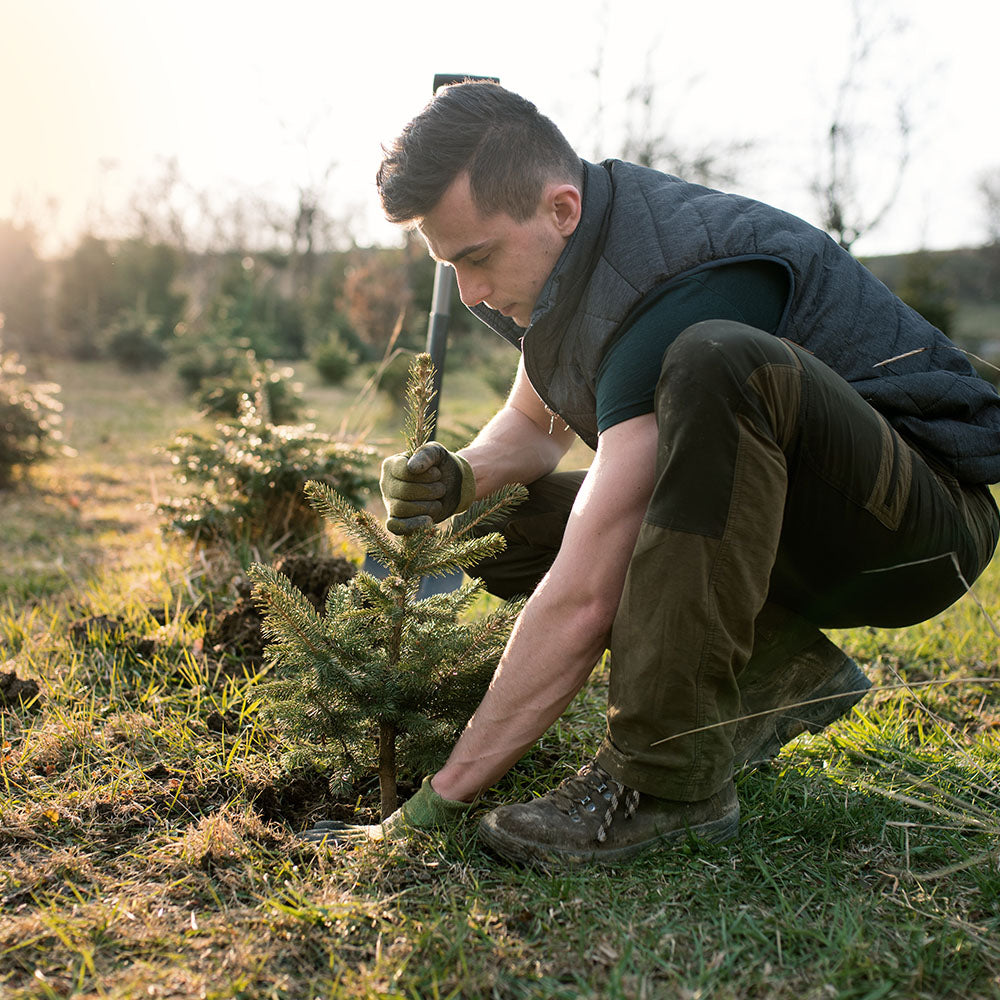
<point>522,851</point>
<point>839,694</point>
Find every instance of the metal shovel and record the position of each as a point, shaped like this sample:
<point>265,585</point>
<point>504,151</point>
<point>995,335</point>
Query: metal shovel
<point>437,345</point>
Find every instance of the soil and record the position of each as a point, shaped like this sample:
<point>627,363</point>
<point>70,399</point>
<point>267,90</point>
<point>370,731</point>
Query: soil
<point>17,693</point>
<point>235,635</point>
<point>315,575</point>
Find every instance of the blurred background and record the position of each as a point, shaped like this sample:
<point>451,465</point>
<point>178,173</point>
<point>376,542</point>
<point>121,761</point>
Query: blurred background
<point>176,175</point>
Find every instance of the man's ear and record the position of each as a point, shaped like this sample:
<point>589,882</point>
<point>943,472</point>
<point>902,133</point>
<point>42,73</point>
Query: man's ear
<point>565,204</point>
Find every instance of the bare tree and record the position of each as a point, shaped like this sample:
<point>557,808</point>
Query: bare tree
<point>649,137</point>
<point>989,189</point>
<point>649,142</point>
<point>847,209</point>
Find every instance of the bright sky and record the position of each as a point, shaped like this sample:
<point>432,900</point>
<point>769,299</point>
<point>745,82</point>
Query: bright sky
<point>264,97</point>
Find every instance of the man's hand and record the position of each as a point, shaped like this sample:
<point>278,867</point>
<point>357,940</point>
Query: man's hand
<point>425,488</point>
<point>425,811</point>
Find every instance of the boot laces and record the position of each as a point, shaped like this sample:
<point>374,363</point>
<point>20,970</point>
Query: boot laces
<point>592,788</point>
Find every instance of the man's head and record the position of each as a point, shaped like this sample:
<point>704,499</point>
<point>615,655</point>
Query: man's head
<point>506,146</point>
<point>494,189</point>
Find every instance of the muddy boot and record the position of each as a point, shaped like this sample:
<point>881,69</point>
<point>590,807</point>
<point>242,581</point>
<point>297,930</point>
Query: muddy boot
<point>798,679</point>
<point>593,818</point>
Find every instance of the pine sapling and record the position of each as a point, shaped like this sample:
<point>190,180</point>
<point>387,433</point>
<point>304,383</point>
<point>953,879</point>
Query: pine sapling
<point>383,680</point>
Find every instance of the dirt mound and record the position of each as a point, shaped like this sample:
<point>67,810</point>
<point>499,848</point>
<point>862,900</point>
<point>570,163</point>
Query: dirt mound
<point>315,575</point>
<point>236,633</point>
<point>17,693</point>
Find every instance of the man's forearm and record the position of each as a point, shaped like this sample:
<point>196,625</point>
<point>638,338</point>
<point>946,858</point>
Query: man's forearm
<point>551,653</point>
<point>565,625</point>
<point>520,444</point>
<point>512,448</point>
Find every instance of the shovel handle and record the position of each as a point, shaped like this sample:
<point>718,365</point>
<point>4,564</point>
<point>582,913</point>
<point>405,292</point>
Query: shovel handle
<point>437,326</point>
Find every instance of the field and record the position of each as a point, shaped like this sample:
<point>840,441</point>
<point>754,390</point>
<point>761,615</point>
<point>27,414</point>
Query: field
<point>147,825</point>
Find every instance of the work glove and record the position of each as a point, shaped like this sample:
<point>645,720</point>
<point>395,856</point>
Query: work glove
<point>426,810</point>
<point>425,488</point>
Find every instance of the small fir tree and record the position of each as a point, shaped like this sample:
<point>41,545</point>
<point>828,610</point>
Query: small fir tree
<point>29,418</point>
<point>248,478</point>
<point>383,679</point>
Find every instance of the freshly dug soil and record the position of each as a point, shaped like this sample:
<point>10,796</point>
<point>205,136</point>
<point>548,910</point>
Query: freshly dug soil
<point>17,693</point>
<point>315,575</point>
<point>236,633</point>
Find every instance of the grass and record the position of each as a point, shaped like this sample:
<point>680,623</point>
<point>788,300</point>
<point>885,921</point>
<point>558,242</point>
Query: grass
<point>148,851</point>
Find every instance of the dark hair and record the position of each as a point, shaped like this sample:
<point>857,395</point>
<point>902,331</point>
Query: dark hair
<point>508,147</point>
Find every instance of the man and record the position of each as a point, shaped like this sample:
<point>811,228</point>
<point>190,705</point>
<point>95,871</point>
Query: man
<point>781,445</point>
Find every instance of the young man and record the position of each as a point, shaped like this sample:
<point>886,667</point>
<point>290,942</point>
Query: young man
<point>781,445</point>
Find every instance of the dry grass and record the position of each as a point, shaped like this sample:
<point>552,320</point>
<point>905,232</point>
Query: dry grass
<point>147,854</point>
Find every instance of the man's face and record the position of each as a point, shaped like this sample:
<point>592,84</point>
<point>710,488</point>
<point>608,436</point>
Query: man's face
<point>497,260</point>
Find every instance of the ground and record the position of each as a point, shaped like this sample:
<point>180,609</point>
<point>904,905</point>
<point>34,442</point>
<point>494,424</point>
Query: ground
<point>148,826</point>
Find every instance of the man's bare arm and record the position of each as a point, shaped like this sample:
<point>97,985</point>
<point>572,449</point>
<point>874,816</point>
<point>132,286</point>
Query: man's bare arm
<point>565,625</point>
<point>520,444</point>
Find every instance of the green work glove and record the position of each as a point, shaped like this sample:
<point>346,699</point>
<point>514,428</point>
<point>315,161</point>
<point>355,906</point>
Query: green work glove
<point>424,811</point>
<point>424,488</point>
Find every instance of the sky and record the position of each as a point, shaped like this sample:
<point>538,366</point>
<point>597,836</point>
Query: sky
<point>262,99</point>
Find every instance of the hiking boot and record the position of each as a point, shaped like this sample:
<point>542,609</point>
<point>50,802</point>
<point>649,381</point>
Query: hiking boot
<point>808,691</point>
<point>592,817</point>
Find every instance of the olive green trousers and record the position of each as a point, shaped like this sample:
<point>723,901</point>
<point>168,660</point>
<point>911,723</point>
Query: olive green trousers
<point>782,499</point>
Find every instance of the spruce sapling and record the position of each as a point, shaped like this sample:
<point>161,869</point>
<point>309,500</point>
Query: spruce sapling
<point>381,679</point>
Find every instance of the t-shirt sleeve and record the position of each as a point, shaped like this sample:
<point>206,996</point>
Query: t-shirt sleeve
<point>752,292</point>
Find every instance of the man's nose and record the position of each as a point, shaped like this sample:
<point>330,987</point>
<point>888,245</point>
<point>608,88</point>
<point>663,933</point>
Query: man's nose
<point>471,288</point>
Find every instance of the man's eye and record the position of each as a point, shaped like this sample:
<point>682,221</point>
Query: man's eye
<point>479,261</point>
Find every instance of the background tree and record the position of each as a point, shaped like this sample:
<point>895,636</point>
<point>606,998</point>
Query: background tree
<point>924,288</point>
<point>245,479</point>
<point>989,189</point>
<point>650,142</point>
<point>29,418</point>
<point>643,130</point>
<point>22,286</point>
<point>88,297</point>
<point>376,294</point>
<point>852,201</point>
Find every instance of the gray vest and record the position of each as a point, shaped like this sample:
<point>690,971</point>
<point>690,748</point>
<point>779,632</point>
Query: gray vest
<point>641,229</point>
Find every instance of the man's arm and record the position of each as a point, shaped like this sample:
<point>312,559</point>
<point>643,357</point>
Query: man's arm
<point>564,627</point>
<point>520,444</point>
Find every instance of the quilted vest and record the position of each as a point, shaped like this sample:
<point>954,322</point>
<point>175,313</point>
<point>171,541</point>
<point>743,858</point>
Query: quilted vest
<point>641,229</point>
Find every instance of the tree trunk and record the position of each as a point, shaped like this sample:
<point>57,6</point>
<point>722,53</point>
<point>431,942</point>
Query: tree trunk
<point>387,768</point>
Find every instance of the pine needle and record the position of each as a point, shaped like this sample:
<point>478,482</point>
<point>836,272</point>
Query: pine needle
<point>418,423</point>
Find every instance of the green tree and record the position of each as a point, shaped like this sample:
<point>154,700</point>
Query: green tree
<point>148,275</point>
<point>88,297</point>
<point>29,418</point>
<point>923,288</point>
<point>376,298</point>
<point>251,301</point>
<point>383,680</point>
<point>248,478</point>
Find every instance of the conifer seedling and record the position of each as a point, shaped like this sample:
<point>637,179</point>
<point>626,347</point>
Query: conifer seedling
<point>382,680</point>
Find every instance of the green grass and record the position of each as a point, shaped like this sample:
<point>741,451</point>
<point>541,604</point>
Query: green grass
<point>148,854</point>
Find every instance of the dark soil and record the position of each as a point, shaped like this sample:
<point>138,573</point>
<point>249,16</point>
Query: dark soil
<point>315,575</point>
<point>235,635</point>
<point>17,693</point>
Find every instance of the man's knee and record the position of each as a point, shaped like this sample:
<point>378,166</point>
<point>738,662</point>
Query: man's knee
<point>721,363</point>
<point>724,344</point>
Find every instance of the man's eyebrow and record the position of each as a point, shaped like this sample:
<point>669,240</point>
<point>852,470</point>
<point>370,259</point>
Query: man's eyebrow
<point>465,251</point>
